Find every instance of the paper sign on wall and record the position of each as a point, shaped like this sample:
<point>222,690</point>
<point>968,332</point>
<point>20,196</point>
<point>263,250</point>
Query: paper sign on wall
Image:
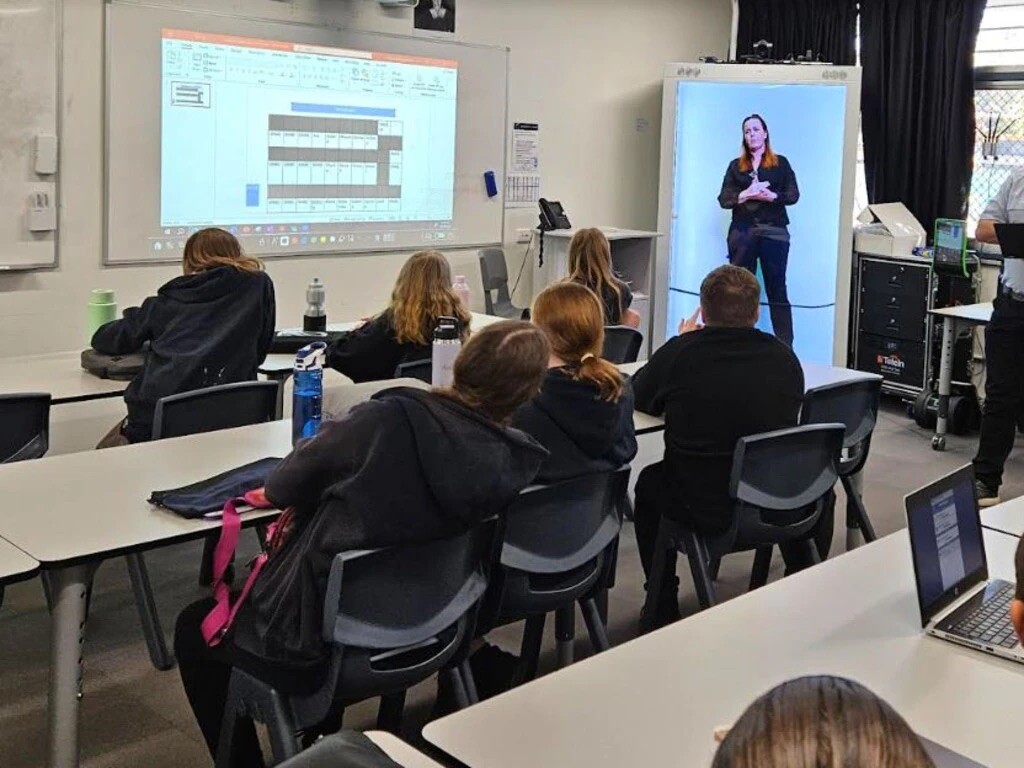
<point>526,148</point>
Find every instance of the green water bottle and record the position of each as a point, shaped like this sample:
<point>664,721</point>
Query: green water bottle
<point>102,309</point>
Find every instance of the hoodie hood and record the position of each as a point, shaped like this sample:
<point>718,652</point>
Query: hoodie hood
<point>471,465</point>
<point>208,286</point>
<point>575,407</point>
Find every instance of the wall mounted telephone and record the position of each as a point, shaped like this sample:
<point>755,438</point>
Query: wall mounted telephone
<point>552,216</point>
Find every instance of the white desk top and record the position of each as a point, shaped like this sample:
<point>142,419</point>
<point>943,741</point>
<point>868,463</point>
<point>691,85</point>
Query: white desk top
<point>612,233</point>
<point>15,565</point>
<point>973,313</point>
<point>656,700</point>
<point>60,374</point>
<point>1007,517</point>
<point>86,505</point>
<point>399,751</point>
<point>815,375</point>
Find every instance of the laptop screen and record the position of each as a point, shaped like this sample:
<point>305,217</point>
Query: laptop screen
<point>945,539</point>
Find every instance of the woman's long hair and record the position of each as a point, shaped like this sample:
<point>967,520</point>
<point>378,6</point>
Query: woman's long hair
<point>768,160</point>
<point>423,293</point>
<point>821,722</point>
<point>499,369</point>
<point>213,247</point>
<point>572,318</point>
<point>590,263</point>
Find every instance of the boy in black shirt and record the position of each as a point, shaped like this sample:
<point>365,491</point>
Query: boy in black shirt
<point>714,384</point>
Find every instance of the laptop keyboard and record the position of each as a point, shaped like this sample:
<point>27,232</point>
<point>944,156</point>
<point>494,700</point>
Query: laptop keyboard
<point>990,624</point>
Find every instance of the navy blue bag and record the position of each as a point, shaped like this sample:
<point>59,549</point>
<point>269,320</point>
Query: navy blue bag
<point>208,496</point>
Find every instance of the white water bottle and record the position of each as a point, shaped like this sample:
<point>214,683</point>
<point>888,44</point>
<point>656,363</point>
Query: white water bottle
<point>461,288</point>
<point>446,348</point>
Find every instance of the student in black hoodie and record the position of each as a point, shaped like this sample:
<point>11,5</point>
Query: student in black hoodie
<point>403,332</point>
<point>213,325</point>
<point>583,413</point>
<point>406,467</point>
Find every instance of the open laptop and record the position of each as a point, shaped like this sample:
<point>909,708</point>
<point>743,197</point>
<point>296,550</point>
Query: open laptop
<point>1011,240</point>
<point>958,602</point>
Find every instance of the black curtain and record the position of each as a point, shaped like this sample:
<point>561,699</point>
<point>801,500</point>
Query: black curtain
<point>917,103</point>
<point>828,28</point>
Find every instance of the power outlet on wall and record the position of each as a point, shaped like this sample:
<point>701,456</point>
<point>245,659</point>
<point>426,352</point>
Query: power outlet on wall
<point>523,235</point>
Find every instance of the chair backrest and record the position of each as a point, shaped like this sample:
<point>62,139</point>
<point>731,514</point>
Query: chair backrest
<point>416,369</point>
<point>853,404</point>
<point>494,276</point>
<point>779,477</point>
<point>621,344</point>
<point>396,616</point>
<point>222,407</point>
<point>553,547</point>
<point>26,426</point>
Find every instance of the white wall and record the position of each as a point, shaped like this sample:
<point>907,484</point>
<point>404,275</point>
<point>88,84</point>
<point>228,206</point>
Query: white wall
<point>587,70</point>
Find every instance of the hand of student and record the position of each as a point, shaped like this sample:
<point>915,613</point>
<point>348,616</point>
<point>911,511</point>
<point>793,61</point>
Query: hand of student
<point>691,323</point>
<point>1017,617</point>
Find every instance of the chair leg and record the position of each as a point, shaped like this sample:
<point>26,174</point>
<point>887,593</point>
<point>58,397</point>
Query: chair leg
<point>389,713</point>
<point>469,682</point>
<point>283,741</point>
<point>762,565</point>
<point>714,567</point>
<point>146,605</point>
<point>206,564</point>
<point>697,554</point>
<point>627,508</point>
<point>458,687</point>
<point>565,634</point>
<point>595,625</point>
<point>656,578</point>
<point>529,655</point>
<point>601,601</point>
<point>856,513</point>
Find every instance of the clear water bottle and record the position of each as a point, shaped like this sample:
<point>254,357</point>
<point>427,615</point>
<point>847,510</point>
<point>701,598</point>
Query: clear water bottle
<point>315,318</point>
<point>308,400</point>
<point>446,348</point>
<point>461,288</point>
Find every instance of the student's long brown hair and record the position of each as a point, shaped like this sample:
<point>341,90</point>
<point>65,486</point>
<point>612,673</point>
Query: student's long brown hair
<point>499,369</point>
<point>213,247</point>
<point>590,263</point>
<point>572,318</point>
<point>423,292</point>
<point>769,159</point>
<point>821,722</point>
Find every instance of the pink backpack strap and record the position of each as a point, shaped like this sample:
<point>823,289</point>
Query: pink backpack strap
<point>219,620</point>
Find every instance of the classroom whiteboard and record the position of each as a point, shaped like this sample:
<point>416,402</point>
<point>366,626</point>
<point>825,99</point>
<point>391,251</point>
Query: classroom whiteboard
<point>136,49</point>
<point>29,34</point>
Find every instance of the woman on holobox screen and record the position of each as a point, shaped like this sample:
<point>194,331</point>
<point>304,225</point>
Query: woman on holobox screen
<point>757,187</point>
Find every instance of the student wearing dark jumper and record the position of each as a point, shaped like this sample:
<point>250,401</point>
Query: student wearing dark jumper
<point>583,413</point>
<point>590,264</point>
<point>213,325</point>
<point>714,384</point>
<point>403,332</point>
<point>382,476</point>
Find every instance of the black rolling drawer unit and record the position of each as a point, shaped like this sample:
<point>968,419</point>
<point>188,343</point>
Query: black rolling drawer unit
<point>891,336</point>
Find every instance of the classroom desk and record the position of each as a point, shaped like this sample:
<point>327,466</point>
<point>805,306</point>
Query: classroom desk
<point>15,565</point>
<point>399,751</point>
<point>96,502</point>
<point>60,374</point>
<point>657,700</point>
<point>967,314</point>
<point>1007,517</point>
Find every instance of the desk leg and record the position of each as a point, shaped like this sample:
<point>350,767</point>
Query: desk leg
<point>945,382</point>
<point>67,634</point>
<point>853,535</point>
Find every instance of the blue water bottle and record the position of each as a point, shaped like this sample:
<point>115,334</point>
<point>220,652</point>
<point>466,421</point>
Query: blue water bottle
<point>307,403</point>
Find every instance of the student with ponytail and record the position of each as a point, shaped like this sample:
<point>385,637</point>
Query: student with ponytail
<point>583,414</point>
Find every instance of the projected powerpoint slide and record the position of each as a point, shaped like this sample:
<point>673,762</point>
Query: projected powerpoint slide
<point>277,139</point>
<point>757,183</point>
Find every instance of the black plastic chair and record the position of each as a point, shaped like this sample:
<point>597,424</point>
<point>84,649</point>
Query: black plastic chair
<point>556,551</point>
<point>854,404</point>
<point>26,431</point>
<point>393,617</point>
<point>190,413</point>
<point>621,344</point>
<point>415,369</point>
<point>494,273</point>
<point>780,482</point>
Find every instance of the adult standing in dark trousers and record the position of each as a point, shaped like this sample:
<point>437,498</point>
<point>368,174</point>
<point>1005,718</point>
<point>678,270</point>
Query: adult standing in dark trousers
<point>714,384</point>
<point>757,187</point>
<point>1004,347</point>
